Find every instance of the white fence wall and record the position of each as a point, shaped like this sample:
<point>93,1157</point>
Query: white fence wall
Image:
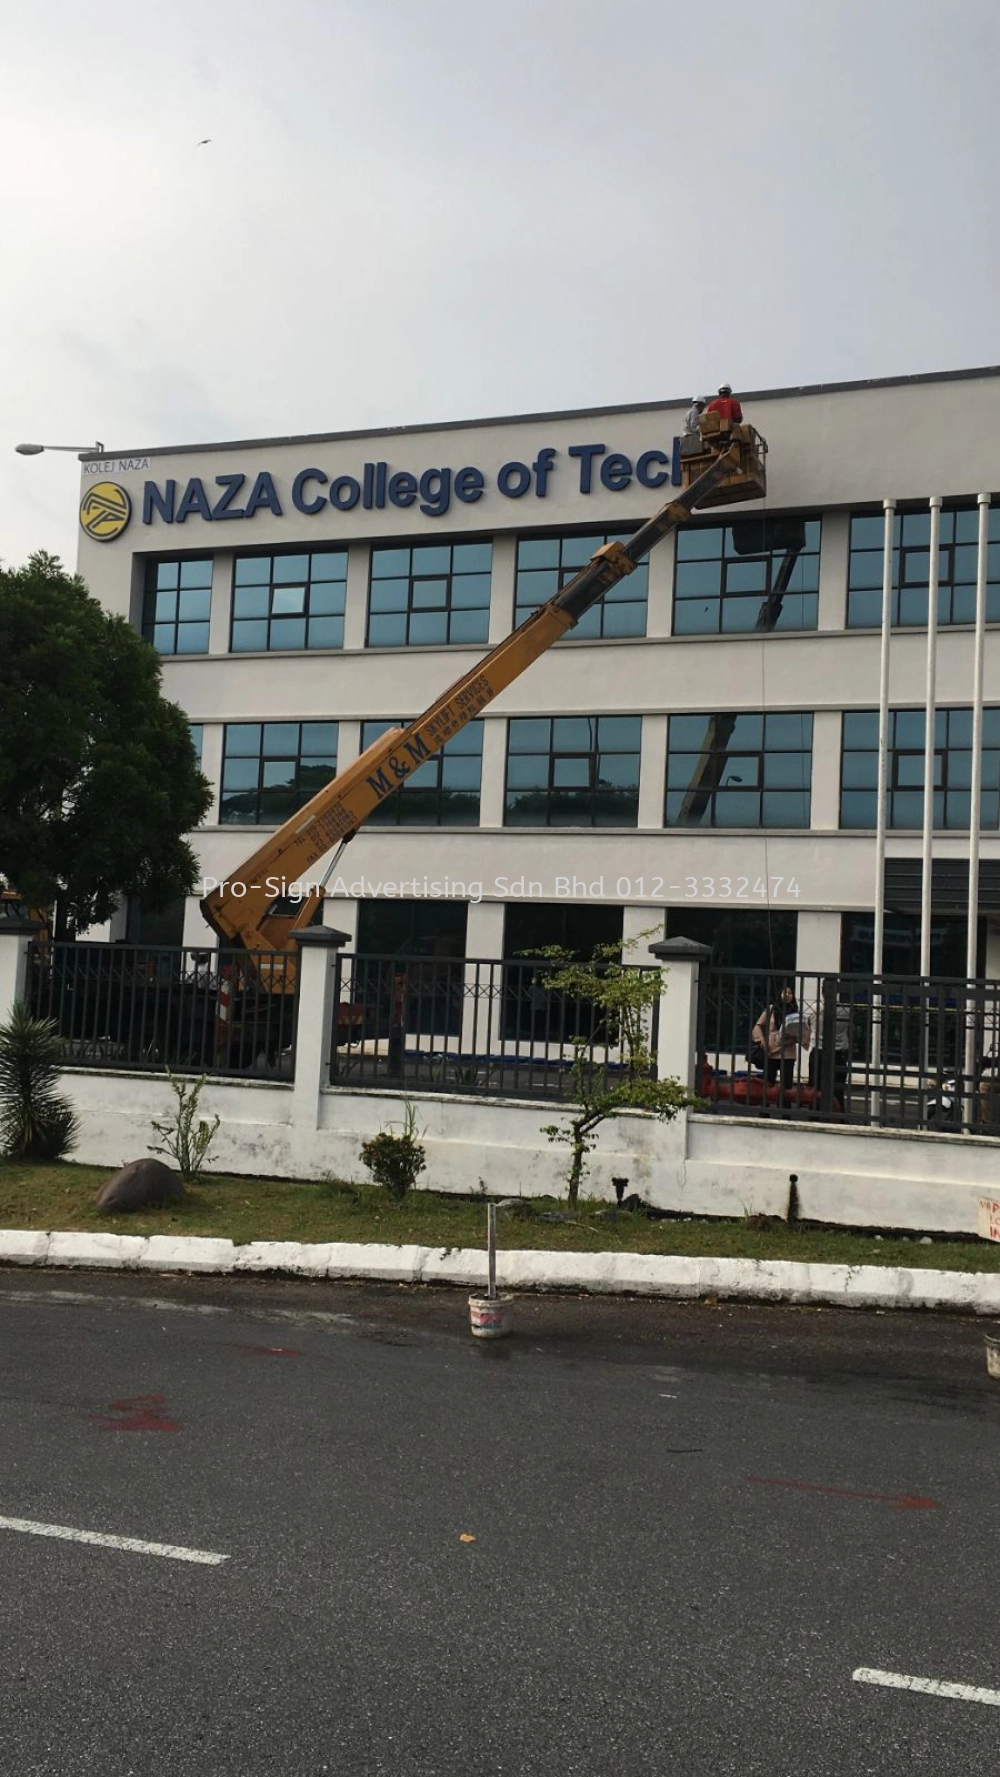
<point>698,1165</point>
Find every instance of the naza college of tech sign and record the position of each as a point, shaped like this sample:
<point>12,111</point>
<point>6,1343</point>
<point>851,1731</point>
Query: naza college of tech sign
<point>588,468</point>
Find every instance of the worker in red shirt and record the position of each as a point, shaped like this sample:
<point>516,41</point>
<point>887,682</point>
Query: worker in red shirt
<point>726,406</point>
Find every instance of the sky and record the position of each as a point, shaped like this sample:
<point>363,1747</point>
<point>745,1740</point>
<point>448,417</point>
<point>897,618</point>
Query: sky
<point>420,210</point>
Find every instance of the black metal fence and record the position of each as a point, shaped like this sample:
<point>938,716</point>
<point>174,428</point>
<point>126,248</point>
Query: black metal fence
<point>458,1025</point>
<point>139,1006</point>
<point>892,1052</point>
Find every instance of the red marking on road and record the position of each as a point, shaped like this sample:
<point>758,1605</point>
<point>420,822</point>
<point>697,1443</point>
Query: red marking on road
<point>266,1350</point>
<point>902,1502</point>
<point>137,1412</point>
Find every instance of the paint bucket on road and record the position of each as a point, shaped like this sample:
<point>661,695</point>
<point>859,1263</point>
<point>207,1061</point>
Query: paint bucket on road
<point>993,1355</point>
<point>489,1316</point>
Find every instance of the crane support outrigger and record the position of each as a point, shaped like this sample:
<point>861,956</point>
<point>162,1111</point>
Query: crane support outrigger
<point>726,465</point>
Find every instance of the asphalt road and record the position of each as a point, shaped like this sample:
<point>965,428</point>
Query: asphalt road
<point>657,1583</point>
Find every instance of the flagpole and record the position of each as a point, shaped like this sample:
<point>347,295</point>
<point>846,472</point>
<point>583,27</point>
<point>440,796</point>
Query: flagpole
<point>930,713</point>
<point>889,508</point>
<point>975,796</point>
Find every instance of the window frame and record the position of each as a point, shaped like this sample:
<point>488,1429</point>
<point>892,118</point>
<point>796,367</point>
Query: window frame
<point>411,610</point>
<point>744,598</point>
<point>390,813</point>
<point>949,544</point>
<point>621,594</point>
<point>150,623</point>
<point>301,794</point>
<point>555,756</point>
<point>273,585</point>
<point>947,777</point>
<point>760,789</point>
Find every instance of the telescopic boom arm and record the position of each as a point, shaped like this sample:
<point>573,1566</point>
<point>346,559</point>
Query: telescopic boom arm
<point>239,910</point>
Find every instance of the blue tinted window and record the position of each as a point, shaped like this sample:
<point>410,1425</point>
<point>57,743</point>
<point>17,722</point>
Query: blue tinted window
<point>905,778</point>
<point>443,792</point>
<point>430,595</point>
<point>743,769</point>
<point>573,771</point>
<point>958,555</point>
<point>289,602</point>
<point>177,604</point>
<point>546,564</point>
<point>755,573</point>
<point>270,771</point>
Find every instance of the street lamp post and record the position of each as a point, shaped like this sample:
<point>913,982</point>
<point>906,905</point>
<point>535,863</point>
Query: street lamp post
<point>76,450</point>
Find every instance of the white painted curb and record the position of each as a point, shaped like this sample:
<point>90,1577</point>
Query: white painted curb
<point>627,1274</point>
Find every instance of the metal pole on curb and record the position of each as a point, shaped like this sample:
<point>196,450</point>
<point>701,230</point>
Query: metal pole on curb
<point>491,1244</point>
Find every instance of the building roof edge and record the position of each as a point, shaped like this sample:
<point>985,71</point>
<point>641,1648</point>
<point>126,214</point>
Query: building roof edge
<point>524,419</point>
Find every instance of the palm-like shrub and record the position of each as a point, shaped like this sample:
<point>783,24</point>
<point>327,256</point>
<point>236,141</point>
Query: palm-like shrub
<point>36,1122</point>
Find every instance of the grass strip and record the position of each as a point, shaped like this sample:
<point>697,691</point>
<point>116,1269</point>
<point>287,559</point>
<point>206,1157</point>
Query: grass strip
<point>61,1198</point>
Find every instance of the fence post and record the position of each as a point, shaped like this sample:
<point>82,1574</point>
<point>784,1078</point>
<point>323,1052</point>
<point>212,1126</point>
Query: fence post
<point>681,962</point>
<point>15,947</point>
<point>317,986</point>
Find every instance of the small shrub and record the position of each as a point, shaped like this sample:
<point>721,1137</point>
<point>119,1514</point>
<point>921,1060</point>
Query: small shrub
<point>395,1161</point>
<point>36,1122</point>
<point>186,1142</point>
<point>624,997</point>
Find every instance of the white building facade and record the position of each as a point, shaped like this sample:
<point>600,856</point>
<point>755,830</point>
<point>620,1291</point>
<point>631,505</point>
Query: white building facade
<point>302,591</point>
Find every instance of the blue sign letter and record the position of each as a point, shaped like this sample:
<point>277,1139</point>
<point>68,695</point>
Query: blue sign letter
<point>645,474</point>
<point>616,472</point>
<point>542,466</point>
<point>264,494</point>
<point>193,499</point>
<point>469,485</point>
<point>154,501</point>
<point>299,500</point>
<point>345,492</point>
<point>586,454</point>
<point>402,489</point>
<point>514,480</point>
<point>435,492</point>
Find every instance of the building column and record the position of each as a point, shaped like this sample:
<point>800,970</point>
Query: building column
<point>502,582</point>
<point>660,608</point>
<point>639,922</point>
<point>318,947</point>
<point>15,946</point>
<point>652,773</point>
<point>348,742</point>
<point>824,803</point>
<point>356,606</point>
<point>494,779</point>
<point>833,558</point>
<point>222,602</point>
<point>482,999</point>
<point>212,741</point>
<point>677,1037</point>
<point>817,949</point>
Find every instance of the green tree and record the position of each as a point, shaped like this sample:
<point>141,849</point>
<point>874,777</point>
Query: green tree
<point>98,777</point>
<point>622,997</point>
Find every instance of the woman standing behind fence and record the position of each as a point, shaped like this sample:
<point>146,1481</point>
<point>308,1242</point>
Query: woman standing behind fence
<point>778,1035</point>
<point>826,1071</point>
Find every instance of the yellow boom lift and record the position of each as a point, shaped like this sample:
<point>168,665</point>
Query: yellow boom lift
<point>724,464</point>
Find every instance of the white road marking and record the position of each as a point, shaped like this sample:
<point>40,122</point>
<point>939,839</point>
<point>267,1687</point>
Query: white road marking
<point>931,1687</point>
<point>130,1544</point>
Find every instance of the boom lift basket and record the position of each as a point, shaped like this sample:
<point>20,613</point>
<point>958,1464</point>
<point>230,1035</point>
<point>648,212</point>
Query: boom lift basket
<point>745,481</point>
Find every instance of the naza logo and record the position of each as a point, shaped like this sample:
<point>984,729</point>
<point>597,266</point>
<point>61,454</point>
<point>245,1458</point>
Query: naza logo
<point>105,511</point>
